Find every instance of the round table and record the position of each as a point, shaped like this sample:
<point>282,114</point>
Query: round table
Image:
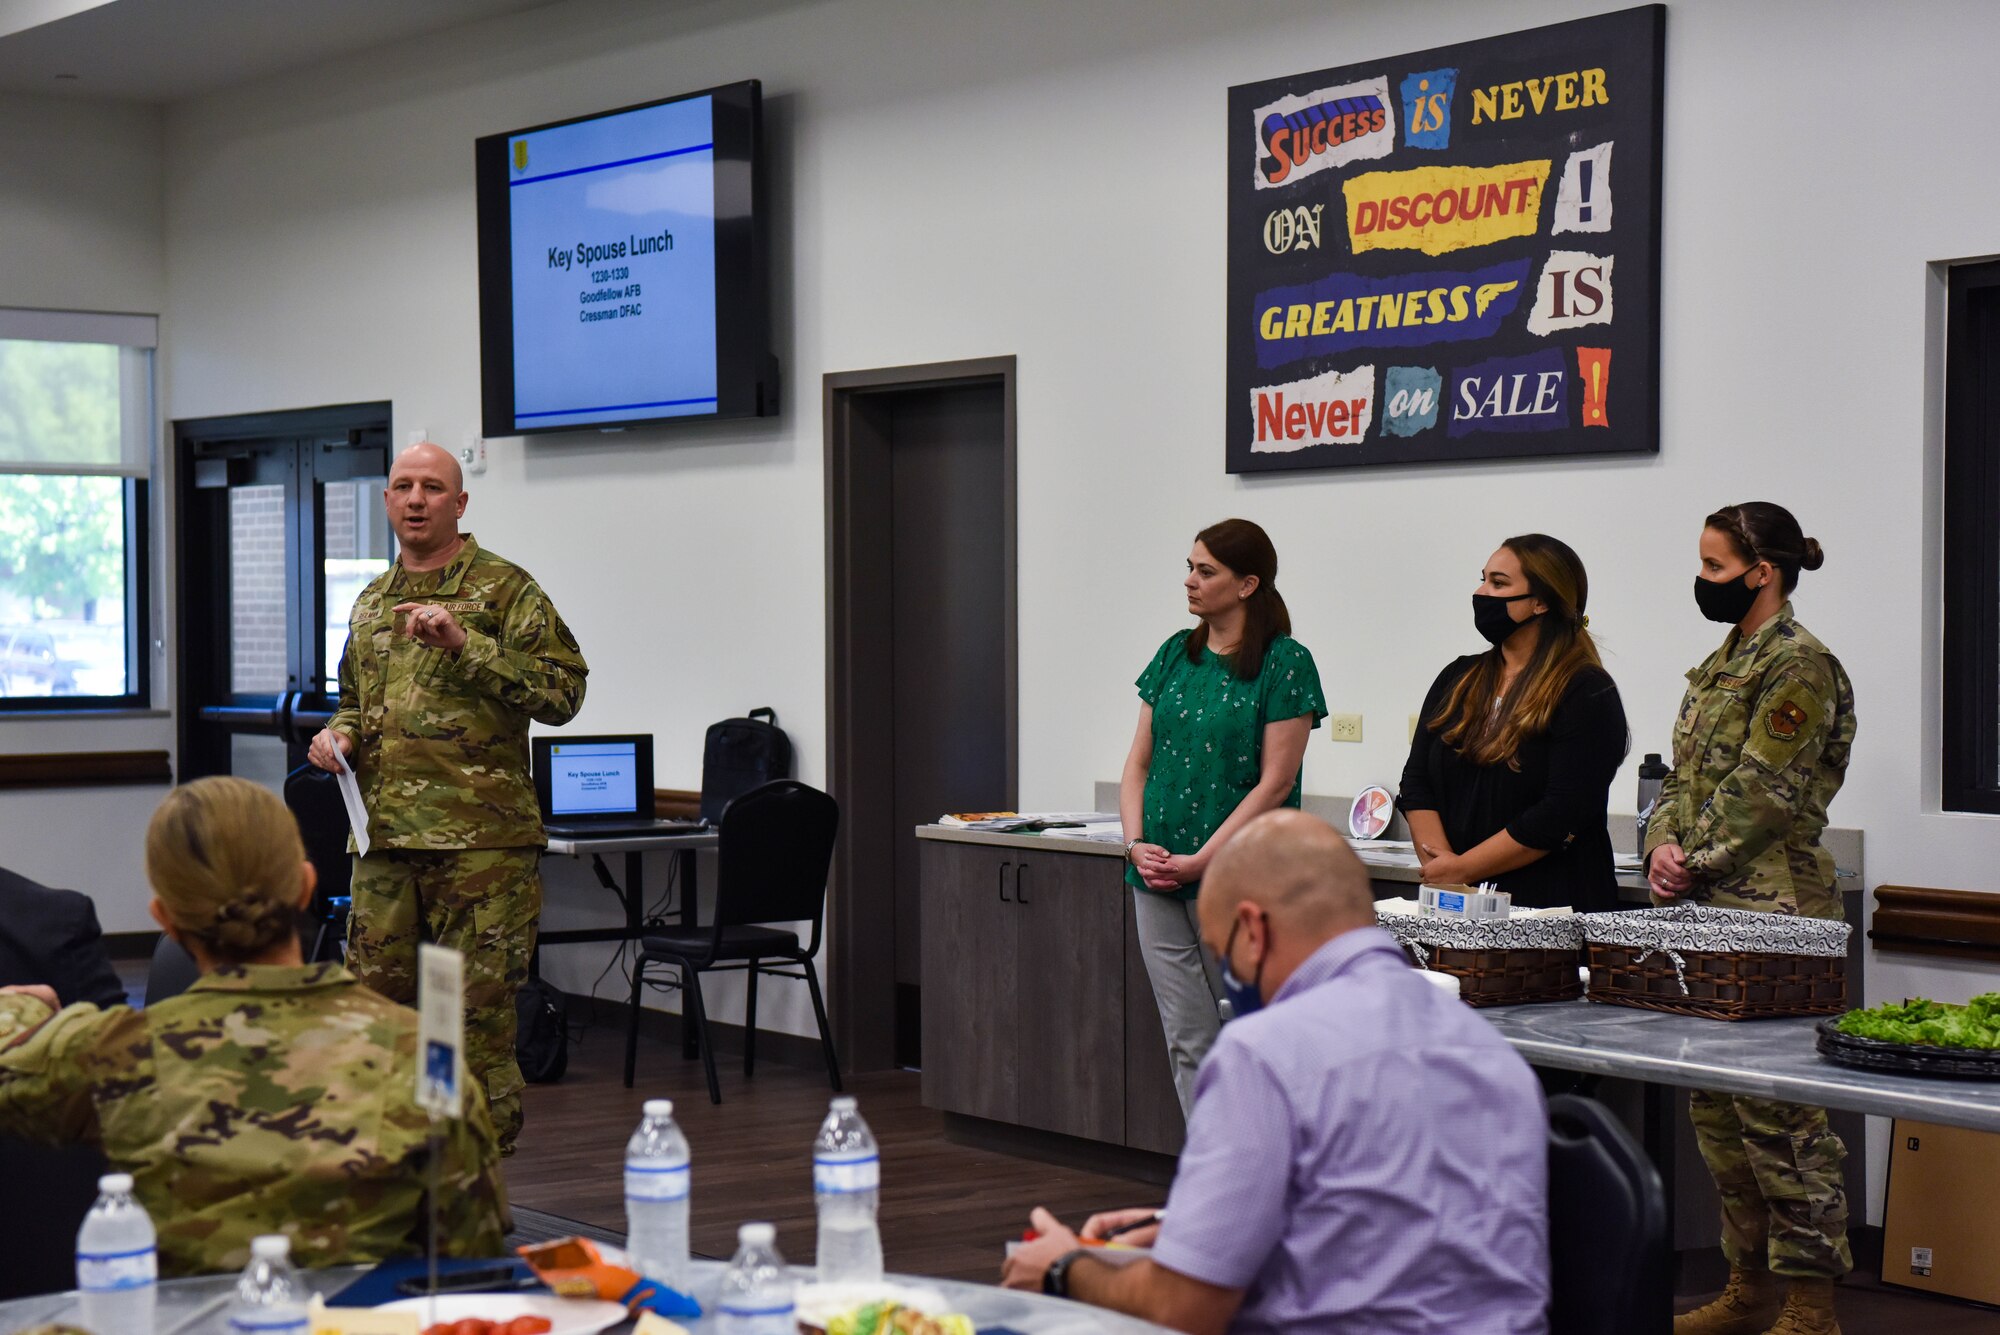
<point>987,1305</point>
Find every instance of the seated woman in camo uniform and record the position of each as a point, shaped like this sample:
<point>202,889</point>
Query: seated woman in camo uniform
<point>273,1096</point>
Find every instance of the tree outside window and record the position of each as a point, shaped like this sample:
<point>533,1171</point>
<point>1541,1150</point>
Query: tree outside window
<point>75,420</point>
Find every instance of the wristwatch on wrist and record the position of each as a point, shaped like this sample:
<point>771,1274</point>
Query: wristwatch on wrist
<point>1055,1280</point>
<point>1130,844</point>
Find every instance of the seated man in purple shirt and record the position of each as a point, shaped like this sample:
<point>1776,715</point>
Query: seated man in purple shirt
<point>1365,1153</point>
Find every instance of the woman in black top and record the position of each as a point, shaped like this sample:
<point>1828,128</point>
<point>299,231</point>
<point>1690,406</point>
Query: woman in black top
<point>1516,748</point>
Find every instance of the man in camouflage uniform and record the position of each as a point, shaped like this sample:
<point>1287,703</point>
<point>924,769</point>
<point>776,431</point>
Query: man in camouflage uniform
<point>450,653</point>
<point>267,1098</point>
<point>1760,747</point>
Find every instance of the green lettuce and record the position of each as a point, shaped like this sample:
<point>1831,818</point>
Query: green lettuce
<point>1934,1023</point>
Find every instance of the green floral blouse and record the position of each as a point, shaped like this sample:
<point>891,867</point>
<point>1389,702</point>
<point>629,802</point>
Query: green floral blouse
<point>1208,737</point>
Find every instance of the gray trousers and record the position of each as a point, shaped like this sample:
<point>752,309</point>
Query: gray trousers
<point>1187,984</point>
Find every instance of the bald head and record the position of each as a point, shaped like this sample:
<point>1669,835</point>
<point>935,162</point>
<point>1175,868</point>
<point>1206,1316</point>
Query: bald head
<point>425,499</point>
<point>1296,868</point>
<point>427,458</point>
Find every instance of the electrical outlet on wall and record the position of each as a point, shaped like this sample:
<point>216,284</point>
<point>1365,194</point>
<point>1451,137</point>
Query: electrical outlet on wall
<point>1346,727</point>
<point>472,453</point>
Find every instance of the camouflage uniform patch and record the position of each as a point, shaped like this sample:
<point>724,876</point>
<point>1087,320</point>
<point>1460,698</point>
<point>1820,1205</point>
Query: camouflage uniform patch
<point>1761,745</point>
<point>264,1099</point>
<point>485,904</point>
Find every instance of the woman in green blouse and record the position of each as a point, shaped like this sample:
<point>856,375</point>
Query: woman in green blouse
<point>1225,711</point>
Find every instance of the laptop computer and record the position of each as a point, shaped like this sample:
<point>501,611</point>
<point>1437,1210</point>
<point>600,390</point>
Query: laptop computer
<point>600,787</point>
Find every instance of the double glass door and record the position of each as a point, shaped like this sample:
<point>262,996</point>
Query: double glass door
<point>281,526</point>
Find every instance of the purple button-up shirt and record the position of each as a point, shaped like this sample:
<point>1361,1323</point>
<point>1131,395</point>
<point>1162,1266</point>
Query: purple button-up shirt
<point>1365,1154</point>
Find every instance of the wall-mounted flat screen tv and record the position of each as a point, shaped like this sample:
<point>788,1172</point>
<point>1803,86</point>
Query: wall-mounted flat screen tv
<point>623,272</point>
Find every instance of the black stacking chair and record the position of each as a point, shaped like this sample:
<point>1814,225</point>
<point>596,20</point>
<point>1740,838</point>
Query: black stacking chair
<point>44,1195</point>
<point>775,846</point>
<point>171,973</point>
<point>313,795</point>
<point>1608,1245</point>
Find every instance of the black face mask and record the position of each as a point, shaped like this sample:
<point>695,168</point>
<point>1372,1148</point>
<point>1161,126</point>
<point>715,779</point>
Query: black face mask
<point>1726,600</point>
<point>1490,619</point>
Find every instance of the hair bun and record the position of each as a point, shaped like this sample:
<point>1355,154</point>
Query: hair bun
<point>247,927</point>
<point>1814,557</point>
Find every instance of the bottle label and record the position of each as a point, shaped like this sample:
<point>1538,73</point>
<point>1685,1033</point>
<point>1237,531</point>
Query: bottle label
<point>656,1184</point>
<point>840,1176</point>
<point>105,1272</point>
<point>775,1309</point>
<point>275,1323</point>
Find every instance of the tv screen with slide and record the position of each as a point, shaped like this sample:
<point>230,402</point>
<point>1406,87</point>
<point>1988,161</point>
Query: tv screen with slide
<point>622,268</point>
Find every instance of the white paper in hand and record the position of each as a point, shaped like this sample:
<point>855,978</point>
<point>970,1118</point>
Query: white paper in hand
<point>350,795</point>
<point>440,1030</point>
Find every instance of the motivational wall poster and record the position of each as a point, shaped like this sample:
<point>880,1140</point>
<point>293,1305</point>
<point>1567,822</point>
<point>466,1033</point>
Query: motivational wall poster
<point>1450,255</point>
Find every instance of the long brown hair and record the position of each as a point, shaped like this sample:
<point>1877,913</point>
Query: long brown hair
<point>1244,549</point>
<point>1466,721</point>
<point>1766,531</point>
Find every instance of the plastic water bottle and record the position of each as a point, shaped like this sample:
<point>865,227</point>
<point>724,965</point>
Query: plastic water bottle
<point>656,1196</point>
<point>756,1296</point>
<point>847,1180</point>
<point>117,1260</point>
<point>269,1298</point>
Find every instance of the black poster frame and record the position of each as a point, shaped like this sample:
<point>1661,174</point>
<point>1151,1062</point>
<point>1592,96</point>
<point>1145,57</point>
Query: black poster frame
<point>1971,658</point>
<point>1295,398</point>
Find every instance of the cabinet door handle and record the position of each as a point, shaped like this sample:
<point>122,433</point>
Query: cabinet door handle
<point>1003,883</point>
<point>1020,886</point>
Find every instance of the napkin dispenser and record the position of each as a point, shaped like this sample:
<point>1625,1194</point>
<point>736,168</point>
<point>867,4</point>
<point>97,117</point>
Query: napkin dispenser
<point>1464,901</point>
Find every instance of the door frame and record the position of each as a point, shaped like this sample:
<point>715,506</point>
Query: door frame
<point>861,972</point>
<point>201,572</point>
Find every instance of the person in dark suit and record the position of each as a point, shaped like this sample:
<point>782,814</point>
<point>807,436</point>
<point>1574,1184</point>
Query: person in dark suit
<point>52,937</point>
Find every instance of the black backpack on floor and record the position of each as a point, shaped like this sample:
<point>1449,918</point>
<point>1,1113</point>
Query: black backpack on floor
<point>740,754</point>
<point>541,1037</point>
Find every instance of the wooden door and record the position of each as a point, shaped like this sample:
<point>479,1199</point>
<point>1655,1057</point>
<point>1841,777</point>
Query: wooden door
<point>921,689</point>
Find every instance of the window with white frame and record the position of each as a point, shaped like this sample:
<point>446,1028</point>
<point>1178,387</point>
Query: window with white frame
<point>77,425</point>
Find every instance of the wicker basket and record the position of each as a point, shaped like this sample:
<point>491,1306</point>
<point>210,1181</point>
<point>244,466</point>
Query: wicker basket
<point>1720,964</point>
<point>1496,963</point>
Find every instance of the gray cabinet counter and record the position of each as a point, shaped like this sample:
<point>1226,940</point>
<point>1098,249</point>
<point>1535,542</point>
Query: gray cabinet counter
<point>1036,1008</point>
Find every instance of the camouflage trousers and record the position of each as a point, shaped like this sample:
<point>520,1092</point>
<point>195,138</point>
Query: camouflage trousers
<point>1777,1165</point>
<point>484,903</point>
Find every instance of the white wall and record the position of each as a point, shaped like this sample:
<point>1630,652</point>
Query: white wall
<point>82,228</point>
<point>1046,179</point>
<point>80,205</point>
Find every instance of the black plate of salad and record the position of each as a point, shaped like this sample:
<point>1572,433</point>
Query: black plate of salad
<point>1919,1037</point>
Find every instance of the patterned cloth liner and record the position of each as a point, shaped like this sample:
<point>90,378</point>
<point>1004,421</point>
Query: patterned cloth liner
<point>1453,933</point>
<point>1697,927</point>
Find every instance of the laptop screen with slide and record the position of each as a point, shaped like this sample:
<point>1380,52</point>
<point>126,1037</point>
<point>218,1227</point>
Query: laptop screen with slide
<point>591,780</point>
